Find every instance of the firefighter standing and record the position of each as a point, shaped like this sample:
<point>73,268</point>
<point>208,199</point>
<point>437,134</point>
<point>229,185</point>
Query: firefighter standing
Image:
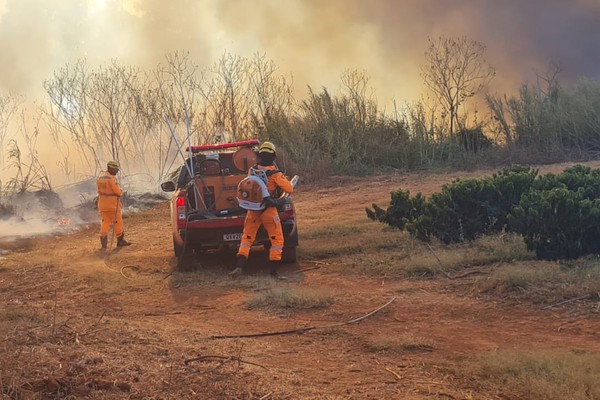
<point>109,205</point>
<point>269,217</point>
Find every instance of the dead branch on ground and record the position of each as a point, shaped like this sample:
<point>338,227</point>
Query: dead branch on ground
<point>226,358</point>
<point>568,301</point>
<point>447,275</point>
<point>305,329</point>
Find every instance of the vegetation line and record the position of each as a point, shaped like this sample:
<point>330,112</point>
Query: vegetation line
<point>305,329</point>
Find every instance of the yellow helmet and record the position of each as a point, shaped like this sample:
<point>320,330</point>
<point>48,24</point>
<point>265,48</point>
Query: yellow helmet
<point>267,147</point>
<point>113,165</point>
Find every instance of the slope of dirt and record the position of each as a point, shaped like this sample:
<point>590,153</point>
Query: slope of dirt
<point>75,324</point>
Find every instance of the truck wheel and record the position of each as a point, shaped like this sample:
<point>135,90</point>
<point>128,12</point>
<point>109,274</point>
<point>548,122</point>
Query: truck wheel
<point>177,249</point>
<point>289,255</point>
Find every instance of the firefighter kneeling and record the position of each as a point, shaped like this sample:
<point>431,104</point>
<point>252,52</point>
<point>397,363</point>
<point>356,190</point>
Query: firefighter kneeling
<point>255,194</point>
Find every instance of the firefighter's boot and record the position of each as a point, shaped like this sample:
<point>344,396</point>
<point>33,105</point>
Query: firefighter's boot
<point>239,266</point>
<point>121,242</point>
<point>273,267</point>
<point>103,243</point>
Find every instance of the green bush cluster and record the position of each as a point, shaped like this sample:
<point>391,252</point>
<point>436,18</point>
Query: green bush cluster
<point>558,215</point>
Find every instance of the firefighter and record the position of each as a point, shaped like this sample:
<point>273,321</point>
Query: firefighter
<point>269,217</point>
<point>109,205</point>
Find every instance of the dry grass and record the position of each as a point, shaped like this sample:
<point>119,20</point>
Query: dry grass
<point>106,281</point>
<point>19,316</point>
<point>543,282</point>
<point>372,250</point>
<point>318,232</point>
<point>290,298</point>
<point>217,278</point>
<point>395,254</point>
<point>547,375</point>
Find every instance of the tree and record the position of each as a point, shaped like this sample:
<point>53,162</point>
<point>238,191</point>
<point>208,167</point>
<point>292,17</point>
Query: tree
<point>111,98</point>
<point>68,112</point>
<point>8,106</point>
<point>274,97</point>
<point>455,71</point>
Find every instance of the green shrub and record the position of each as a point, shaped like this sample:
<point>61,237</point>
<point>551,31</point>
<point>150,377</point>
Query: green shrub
<point>558,223</point>
<point>558,215</point>
<point>463,210</point>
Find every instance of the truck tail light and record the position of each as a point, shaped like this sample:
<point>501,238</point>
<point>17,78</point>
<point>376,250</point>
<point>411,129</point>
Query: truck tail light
<point>287,212</point>
<point>180,202</point>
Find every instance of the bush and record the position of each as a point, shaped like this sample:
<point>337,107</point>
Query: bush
<point>558,223</point>
<point>558,215</point>
<point>463,210</point>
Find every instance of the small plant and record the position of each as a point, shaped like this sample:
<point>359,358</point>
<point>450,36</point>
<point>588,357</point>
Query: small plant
<point>16,316</point>
<point>30,174</point>
<point>294,299</point>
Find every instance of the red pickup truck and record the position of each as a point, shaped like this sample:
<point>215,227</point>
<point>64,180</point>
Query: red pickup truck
<point>204,210</point>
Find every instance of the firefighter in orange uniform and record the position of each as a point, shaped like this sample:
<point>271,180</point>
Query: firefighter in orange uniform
<point>109,205</point>
<point>269,217</point>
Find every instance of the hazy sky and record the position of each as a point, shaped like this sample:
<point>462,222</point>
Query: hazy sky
<point>315,40</point>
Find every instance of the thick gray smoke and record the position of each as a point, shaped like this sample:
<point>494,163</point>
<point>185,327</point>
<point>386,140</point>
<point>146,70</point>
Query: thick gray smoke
<point>313,40</point>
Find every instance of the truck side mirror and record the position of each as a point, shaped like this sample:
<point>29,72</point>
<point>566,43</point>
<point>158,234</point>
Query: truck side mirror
<point>168,186</point>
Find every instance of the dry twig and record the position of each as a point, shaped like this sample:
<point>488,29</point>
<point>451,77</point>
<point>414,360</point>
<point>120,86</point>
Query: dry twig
<point>54,313</point>
<point>300,271</point>
<point>211,357</point>
<point>397,375</point>
<point>160,314</point>
<point>305,329</point>
<point>476,271</point>
<point>567,301</point>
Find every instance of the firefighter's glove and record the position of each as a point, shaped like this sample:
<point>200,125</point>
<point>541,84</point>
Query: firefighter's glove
<point>271,202</point>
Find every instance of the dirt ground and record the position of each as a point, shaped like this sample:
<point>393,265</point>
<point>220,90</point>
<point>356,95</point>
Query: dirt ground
<point>77,325</point>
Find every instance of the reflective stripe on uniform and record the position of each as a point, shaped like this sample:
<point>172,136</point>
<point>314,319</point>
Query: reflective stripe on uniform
<point>245,245</point>
<point>277,247</point>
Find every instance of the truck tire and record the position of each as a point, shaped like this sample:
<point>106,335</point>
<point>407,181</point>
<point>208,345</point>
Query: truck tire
<point>289,255</point>
<point>177,249</point>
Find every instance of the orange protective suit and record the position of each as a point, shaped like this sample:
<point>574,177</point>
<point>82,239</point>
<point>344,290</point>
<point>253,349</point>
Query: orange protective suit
<point>109,204</point>
<point>268,217</point>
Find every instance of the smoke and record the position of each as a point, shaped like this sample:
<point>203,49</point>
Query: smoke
<point>39,213</point>
<point>313,40</point>
<point>71,207</point>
